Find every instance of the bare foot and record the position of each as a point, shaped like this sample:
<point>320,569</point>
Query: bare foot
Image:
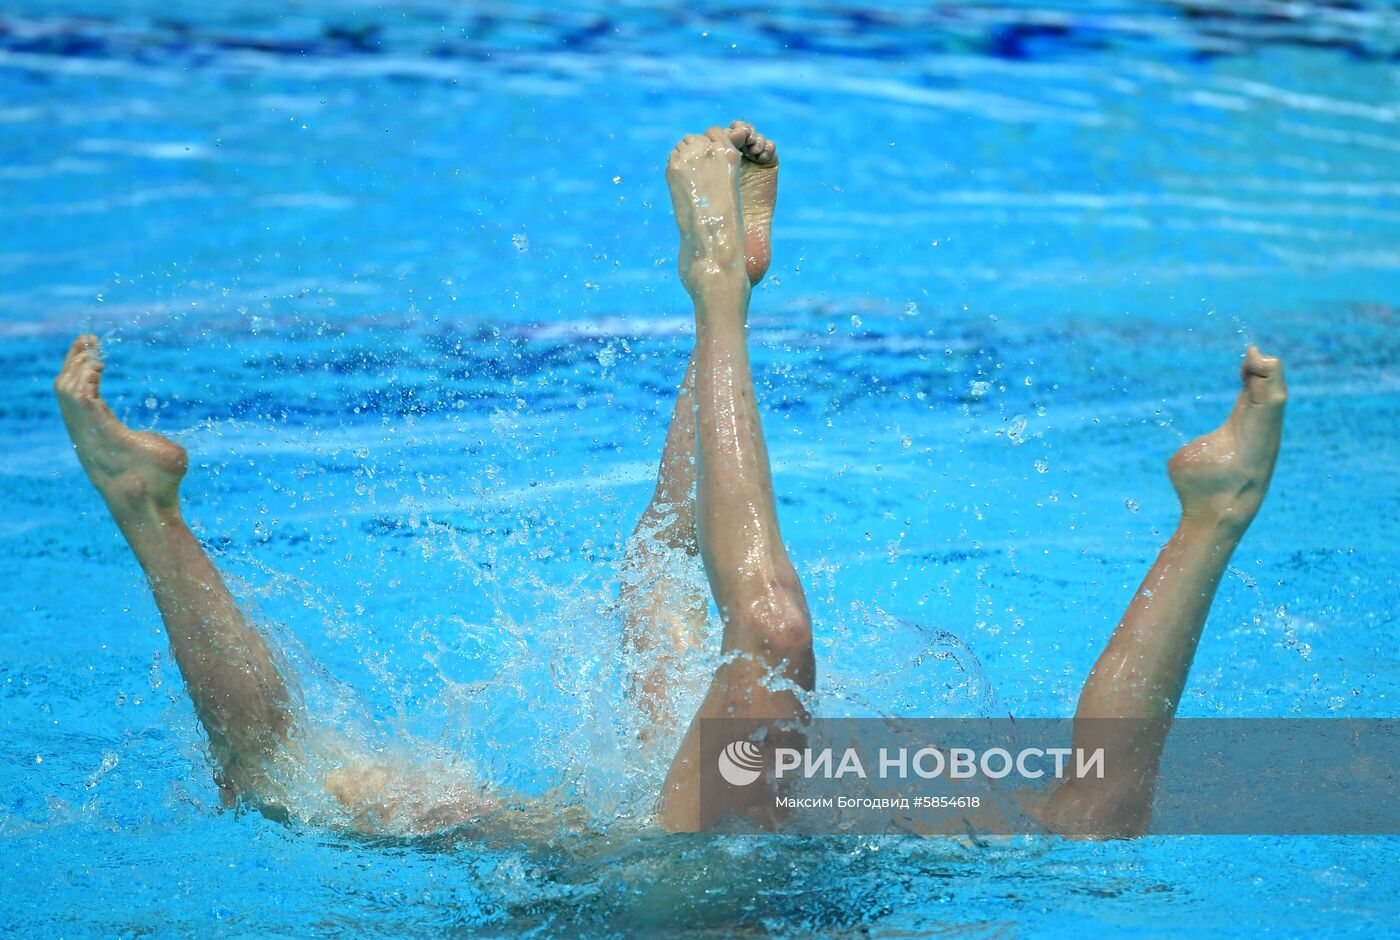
<point>703,174</point>
<point>133,470</point>
<point>1223,476</point>
<point>758,192</point>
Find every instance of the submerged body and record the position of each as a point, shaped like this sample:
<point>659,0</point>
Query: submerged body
<point>714,500</point>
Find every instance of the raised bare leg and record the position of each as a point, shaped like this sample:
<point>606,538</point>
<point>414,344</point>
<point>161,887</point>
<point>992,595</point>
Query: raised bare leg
<point>663,609</point>
<point>664,614</point>
<point>1221,480</point>
<point>238,693</point>
<point>242,699</point>
<point>767,638</point>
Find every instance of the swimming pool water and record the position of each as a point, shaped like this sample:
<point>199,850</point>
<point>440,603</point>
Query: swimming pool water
<point>402,280</point>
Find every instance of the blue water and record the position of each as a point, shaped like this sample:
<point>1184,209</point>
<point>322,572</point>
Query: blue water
<point>402,280</point>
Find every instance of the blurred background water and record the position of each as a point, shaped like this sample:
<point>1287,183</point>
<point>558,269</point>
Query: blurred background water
<point>402,280</point>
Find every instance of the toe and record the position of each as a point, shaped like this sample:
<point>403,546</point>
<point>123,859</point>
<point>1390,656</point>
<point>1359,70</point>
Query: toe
<point>1255,362</point>
<point>88,379</point>
<point>1262,377</point>
<point>720,136</point>
<point>81,347</point>
<point>759,149</point>
<point>1257,418</point>
<point>82,369</point>
<point>678,152</point>
<point>73,362</point>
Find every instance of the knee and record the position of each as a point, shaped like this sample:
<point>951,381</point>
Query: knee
<point>790,633</point>
<point>781,624</point>
<point>1097,810</point>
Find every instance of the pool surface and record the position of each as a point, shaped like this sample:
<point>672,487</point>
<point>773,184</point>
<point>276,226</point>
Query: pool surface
<point>402,280</point>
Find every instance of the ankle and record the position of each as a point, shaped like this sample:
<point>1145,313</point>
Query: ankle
<point>134,512</point>
<point>1223,528</point>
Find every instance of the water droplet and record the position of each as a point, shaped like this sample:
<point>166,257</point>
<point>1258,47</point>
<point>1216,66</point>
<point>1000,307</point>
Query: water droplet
<point>617,179</point>
<point>1018,427</point>
<point>151,403</point>
<point>978,389</point>
<point>521,241</point>
<point>607,356</point>
<point>911,309</point>
<point>1131,504</point>
<point>109,762</point>
<point>855,321</point>
<point>907,441</point>
<point>1042,466</point>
